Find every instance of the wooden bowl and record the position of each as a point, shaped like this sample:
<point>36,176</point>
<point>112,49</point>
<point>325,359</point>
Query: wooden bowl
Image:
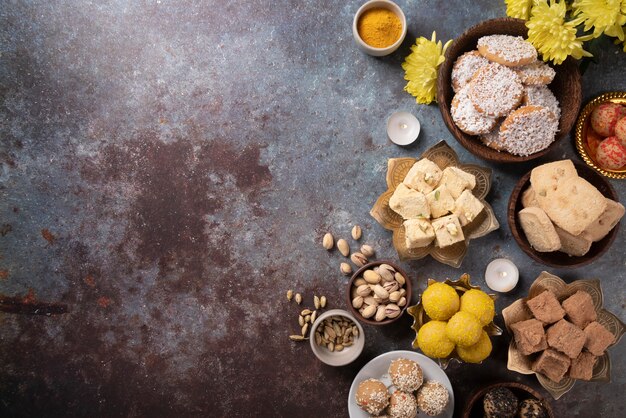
<point>557,258</point>
<point>565,86</point>
<point>359,273</point>
<point>474,408</point>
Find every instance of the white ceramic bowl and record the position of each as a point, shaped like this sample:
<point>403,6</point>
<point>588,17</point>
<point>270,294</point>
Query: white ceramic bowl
<point>345,356</point>
<point>386,4</point>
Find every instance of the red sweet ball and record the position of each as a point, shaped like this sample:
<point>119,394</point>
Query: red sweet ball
<point>620,130</point>
<point>611,154</point>
<point>605,116</point>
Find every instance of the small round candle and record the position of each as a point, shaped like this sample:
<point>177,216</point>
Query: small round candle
<point>501,275</point>
<point>403,128</point>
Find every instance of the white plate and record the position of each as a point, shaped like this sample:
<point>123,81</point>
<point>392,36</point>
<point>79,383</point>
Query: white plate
<point>377,369</point>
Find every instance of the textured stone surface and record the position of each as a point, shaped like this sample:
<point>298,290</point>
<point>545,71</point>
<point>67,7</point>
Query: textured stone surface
<point>167,172</point>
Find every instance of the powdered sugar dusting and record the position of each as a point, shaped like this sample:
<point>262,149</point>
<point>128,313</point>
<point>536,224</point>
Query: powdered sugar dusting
<point>495,90</point>
<point>465,67</point>
<point>542,96</point>
<point>528,130</point>
<point>466,117</point>
<point>511,49</point>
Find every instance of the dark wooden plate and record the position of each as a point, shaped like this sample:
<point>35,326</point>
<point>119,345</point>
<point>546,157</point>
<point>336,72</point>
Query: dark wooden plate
<point>557,258</point>
<point>565,86</point>
<point>359,273</point>
<point>475,409</point>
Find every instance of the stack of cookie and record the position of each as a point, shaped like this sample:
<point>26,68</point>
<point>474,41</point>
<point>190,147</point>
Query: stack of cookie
<point>501,95</point>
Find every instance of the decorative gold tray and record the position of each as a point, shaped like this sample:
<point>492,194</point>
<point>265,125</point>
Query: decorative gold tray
<point>444,156</point>
<point>518,311</point>
<point>586,147</point>
<point>420,318</point>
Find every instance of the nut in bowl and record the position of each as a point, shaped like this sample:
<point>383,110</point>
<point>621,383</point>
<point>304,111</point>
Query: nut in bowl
<point>603,147</point>
<point>577,333</point>
<point>455,320</point>
<point>337,338</point>
<point>379,293</point>
<point>476,65</point>
<point>435,206</point>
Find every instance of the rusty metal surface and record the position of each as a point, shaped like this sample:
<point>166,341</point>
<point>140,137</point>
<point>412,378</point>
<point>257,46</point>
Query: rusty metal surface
<point>167,171</point>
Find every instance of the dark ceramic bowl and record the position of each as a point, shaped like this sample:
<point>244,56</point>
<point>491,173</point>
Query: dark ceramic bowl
<point>474,408</point>
<point>557,258</point>
<point>565,86</point>
<point>359,273</point>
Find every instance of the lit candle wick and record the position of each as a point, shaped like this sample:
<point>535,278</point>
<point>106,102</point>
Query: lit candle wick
<point>503,274</point>
<point>403,126</point>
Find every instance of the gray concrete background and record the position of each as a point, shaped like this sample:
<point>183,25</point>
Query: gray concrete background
<point>167,171</point>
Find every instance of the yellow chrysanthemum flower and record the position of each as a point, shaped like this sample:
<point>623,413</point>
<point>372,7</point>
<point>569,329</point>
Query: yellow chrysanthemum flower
<point>519,9</point>
<point>420,68</point>
<point>553,37</point>
<point>604,16</point>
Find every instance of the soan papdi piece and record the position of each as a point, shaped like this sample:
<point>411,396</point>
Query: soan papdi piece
<point>447,231</point>
<point>552,364</point>
<point>457,180</point>
<point>423,176</point>
<point>467,207</point>
<point>574,245</point>
<point>440,201</point>
<point>547,177</point>
<point>529,199</point>
<point>599,228</point>
<point>408,203</point>
<point>539,230</point>
<point>546,308</point>
<point>418,233</point>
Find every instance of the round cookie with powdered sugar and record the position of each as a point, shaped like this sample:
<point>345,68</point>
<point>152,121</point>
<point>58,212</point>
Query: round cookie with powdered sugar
<point>541,96</point>
<point>495,90</point>
<point>465,67</point>
<point>511,51</point>
<point>535,74</point>
<point>466,117</point>
<point>528,129</point>
<point>492,139</point>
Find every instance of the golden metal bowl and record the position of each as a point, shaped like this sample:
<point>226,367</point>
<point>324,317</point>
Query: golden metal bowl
<point>582,127</point>
<point>518,311</point>
<point>420,318</point>
<point>444,156</point>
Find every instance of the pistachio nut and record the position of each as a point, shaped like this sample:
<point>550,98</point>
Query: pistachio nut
<point>402,292</point>
<point>386,275</point>
<point>394,296</point>
<point>380,313</point>
<point>358,259</point>
<point>356,232</point>
<point>371,276</point>
<point>381,292</point>
<point>402,301</point>
<point>343,247</point>
<point>357,302</point>
<point>359,281</point>
<point>367,251</point>
<point>387,267</point>
<point>392,310</point>
<point>391,286</point>
<point>345,268</point>
<point>328,241</point>
<point>369,311</point>
<point>363,290</point>
<point>370,300</point>
<point>400,279</point>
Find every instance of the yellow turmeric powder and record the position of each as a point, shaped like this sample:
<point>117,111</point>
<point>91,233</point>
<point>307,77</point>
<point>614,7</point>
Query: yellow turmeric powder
<point>379,27</point>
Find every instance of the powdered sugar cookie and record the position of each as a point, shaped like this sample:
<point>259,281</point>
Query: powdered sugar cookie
<point>541,96</point>
<point>465,67</point>
<point>492,139</point>
<point>511,51</point>
<point>528,129</point>
<point>495,90</point>
<point>466,117</point>
<point>535,74</point>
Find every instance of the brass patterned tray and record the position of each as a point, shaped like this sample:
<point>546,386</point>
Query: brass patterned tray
<point>420,318</point>
<point>518,311</point>
<point>585,146</point>
<point>444,156</point>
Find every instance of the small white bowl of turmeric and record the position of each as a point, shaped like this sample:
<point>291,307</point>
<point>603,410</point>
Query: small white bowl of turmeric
<point>379,27</point>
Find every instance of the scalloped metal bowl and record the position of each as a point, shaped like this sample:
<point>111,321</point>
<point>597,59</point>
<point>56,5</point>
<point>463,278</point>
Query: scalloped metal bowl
<point>583,145</point>
<point>420,318</point>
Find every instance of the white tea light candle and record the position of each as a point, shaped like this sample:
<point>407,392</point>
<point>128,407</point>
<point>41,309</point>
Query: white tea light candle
<point>403,128</point>
<point>501,275</point>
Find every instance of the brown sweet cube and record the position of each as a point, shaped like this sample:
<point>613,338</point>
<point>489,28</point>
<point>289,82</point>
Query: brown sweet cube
<point>597,338</point>
<point>579,308</point>
<point>552,364</point>
<point>567,338</point>
<point>546,308</point>
<point>529,336</point>
<point>582,366</point>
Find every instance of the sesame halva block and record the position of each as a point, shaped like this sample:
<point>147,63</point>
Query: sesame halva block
<point>530,336</point>
<point>566,337</point>
<point>597,338</point>
<point>552,364</point>
<point>546,308</point>
<point>579,309</point>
